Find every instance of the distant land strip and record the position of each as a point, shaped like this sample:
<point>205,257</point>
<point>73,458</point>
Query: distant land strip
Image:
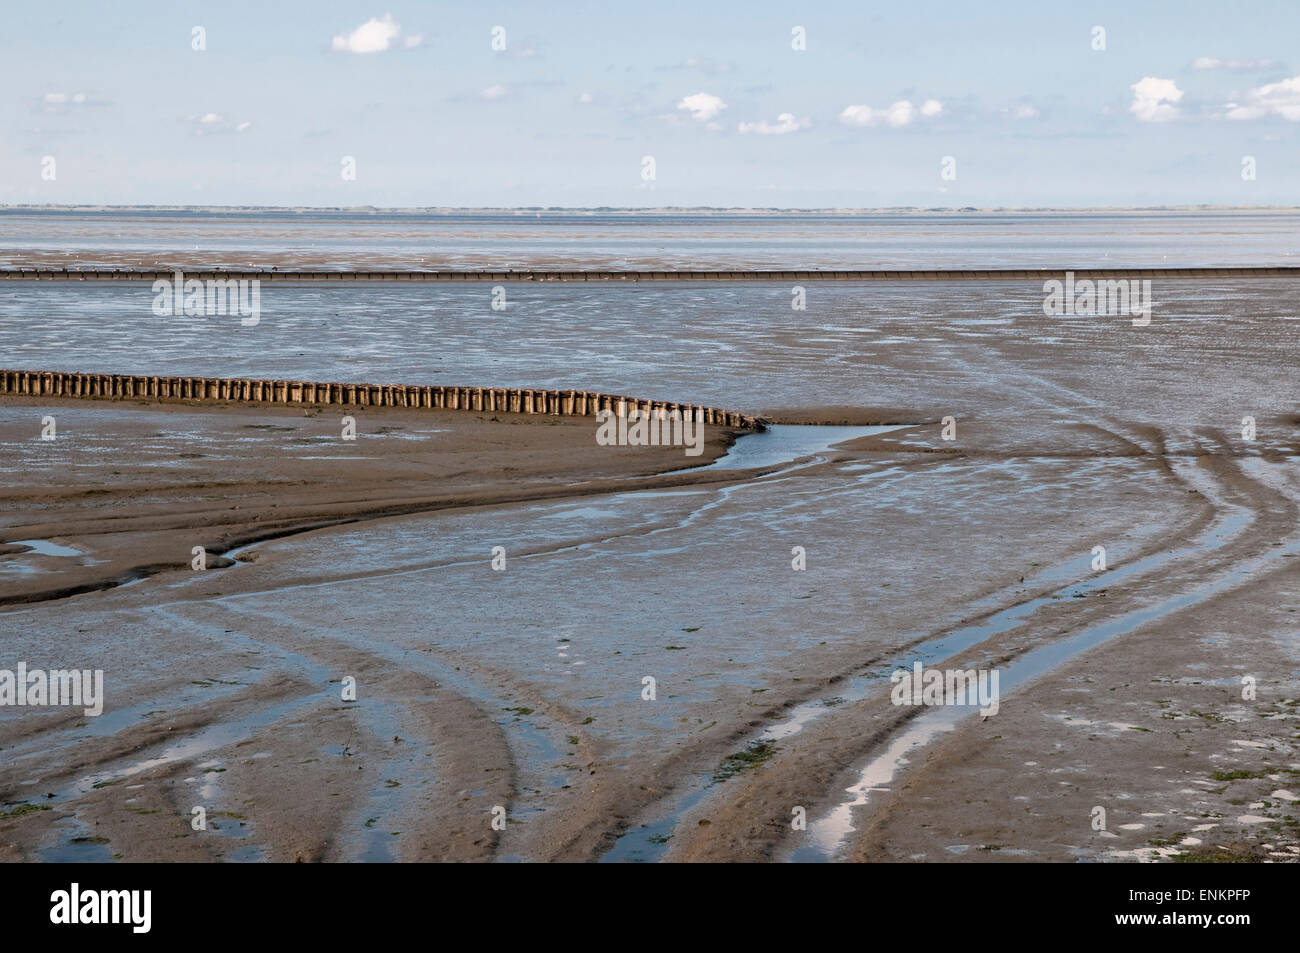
<point>214,390</point>
<point>534,275</point>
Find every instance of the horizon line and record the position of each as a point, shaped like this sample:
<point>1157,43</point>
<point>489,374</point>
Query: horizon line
<point>629,209</point>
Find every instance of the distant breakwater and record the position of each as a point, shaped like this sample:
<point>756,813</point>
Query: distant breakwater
<point>211,390</point>
<point>534,275</point>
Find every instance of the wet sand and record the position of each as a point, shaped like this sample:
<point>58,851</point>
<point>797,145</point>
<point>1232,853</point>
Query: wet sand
<point>135,481</point>
<point>522,688</point>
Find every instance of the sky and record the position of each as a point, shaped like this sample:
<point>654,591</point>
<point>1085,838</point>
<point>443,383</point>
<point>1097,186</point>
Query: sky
<point>636,104</point>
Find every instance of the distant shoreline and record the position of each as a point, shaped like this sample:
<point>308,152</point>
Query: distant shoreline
<point>684,211</point>
<point>542,275</point>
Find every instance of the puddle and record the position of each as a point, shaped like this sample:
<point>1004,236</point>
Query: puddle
<point>76,844</point>
<point>43,547</point>
<point>14,562</point>
<point>829,833</point>
<point>221,821</point>
<point>248,854</point>
<point>650,842</point>
<point>782,443</point>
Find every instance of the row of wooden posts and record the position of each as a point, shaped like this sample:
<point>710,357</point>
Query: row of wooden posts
<point>310,393</point>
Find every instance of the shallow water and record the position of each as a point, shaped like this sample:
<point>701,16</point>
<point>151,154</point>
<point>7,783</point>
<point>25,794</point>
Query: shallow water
<point>738,346</point>
<point>540,238</point>
<point>784,443</point>
<point>44,547</point>
<point>17,563</point>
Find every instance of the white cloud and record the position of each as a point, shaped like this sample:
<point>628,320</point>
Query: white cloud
<point>785,123</point>
<point>901,113</point>
<point>373,36</point>
<point>1282,98</point>
<point>1026,111</point>
<point>857,115</point>
<point>54,102</point>
<point>1154,99</point>
<point>585,98</point>
<point>412,41</point>
<point>702,106</point>
<point>209,124</point>
<point>494,92</point>
<point>1238,111</point>
<point>1213,62</point>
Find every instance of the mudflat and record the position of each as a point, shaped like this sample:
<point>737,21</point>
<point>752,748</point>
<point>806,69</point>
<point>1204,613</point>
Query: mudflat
<point>137,482</point>
<point>465,636</point>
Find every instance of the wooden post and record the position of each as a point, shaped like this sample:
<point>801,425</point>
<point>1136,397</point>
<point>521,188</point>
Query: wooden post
<point>483,399</point>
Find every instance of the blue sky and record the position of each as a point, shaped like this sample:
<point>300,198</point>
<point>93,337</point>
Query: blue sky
<point>1015,93</point>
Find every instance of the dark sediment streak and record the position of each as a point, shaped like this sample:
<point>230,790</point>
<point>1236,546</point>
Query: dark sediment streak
<point>959,274</point>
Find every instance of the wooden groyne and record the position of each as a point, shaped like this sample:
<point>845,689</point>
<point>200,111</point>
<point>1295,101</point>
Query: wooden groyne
<point>211,390</point>
<point>301,276</point>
